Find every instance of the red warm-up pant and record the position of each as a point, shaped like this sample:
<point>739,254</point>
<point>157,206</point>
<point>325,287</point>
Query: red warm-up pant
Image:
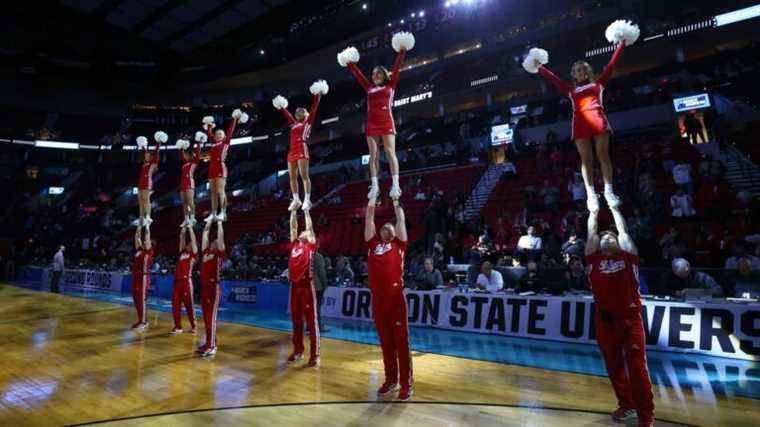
<point>623,345</point>
<point>303,304</point>
<point>392,326</point>
<point>140,285</point>
<point>210,294</point>
<point>182,294</point>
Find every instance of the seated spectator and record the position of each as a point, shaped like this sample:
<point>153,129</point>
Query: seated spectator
<point>574,246</point>
<point>744,280</point>
<point>344,275</point>
<point>510,170</point>
<point>421,196</point>
<point>740,252</point>
<point>489,279</point>
<point>533,280</point>
<point>550,194</point>
<point>575,276</point>
<point>682,205</point>
<point>479,253</point>
<point>682,278</point>
<point>529,244</point>
<point>429,278</point>
<point>577,189</point>
<point>682,177</point>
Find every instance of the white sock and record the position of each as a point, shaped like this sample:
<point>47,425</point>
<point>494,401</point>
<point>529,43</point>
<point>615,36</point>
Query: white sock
<point>307,197</point>
<point>590,190</point>
<point>608,188</point>
<point>296,197</point>
<point>395,180</point>
<point>374,181</point>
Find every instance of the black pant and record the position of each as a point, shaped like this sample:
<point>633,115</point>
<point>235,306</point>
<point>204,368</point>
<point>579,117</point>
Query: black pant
<point>54,282</point>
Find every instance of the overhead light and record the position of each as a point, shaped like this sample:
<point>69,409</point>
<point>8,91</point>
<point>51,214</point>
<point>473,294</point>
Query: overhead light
<point>261,52</point>
<point>364,6</point>
<point>56,144</point>
<point>413,15</point>
<point>389,24</point>
<point>402,21</point>
<point>421,14</point>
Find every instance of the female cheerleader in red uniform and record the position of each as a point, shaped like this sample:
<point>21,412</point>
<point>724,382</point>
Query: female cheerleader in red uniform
<point>190,162</point>
<point>298,154</point>
<point>148,167</point>
<point>381,129</point>
<point>217,170</point>
<point>589,119</point>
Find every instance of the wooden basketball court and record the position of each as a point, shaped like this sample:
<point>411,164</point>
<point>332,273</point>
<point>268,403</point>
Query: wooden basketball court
<point>74,361</point>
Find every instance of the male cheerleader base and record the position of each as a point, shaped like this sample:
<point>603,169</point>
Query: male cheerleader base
<point>211,267</point>
<point>141,276</point>
<point>182,292</point>
<point>614,277</point>
<point>303,296</point>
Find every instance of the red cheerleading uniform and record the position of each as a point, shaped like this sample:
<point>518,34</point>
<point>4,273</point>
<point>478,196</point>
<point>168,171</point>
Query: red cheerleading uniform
<point>303,296</point>
<point>385,267</point>
<point>218,152</point>
<point>211,268</point>
<point>300,132</point>
<point>380,99</point>
<point>589,118</point>
<point>183,288</point>
<point>190,163</point>
<point>145,182</point>
<point>619,329</point>
<point>141,281</point>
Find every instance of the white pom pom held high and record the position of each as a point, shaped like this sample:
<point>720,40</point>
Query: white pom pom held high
<point>244,118</point>
<point>280,102</point>
<point>535,54</point>
<point>161,136</point>
<point>622,31</point>
<point>403,41</point>
<point>208,120</point>
<point>237,113</point>
<point>142,142</point>
<point>201,137</point>
<point>348,55</point>
<point>183,144</point>
<point>319,87</point>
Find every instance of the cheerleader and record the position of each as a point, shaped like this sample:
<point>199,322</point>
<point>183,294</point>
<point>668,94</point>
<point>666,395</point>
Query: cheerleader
<point>589,119</point>
<point>217,170</point>
<point>298,153</point>
<point>148,167</point>
<point>190,160</point>
<point>381,129</point>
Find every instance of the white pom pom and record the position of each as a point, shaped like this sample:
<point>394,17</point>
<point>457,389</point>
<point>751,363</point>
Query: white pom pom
<point>280,102</point>
<point>183,144</point>
<point>349,55</point>
<point>530,61</point>
<point>208,120</point>
<point>201,137</point>
<point>142,142</point>
<point>622,31</point>
<point>237,113</point>
<point>403,41</point>
<point>244,118</point>
<point>319,87</point>
<point>161,136</point>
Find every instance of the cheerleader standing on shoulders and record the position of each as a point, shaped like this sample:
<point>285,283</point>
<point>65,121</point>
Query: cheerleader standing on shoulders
<point>148,167</point>
<point>190,160</point>
<point>381,129</point>
<point>589,119</point>
<point>217,170</point>
<point>298,153</point>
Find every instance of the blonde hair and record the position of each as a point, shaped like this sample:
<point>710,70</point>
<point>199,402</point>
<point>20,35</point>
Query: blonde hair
<point>303,112</point>
<point>589,69</point>
<point>386,73</point>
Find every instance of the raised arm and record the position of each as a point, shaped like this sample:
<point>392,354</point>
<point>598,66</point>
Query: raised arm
<point>146,239</point>
<point>220,236</point>
<point>138,242</point>
<point>369,221</point>
<point>359,76</point>
<point>193,243</point>
<point>624,239</point>
<point>313,109</point>
<point>204,238</point>
<point>307,221</point>
<point>197,155</point>
<point>562,86</point>
<point>288,116</point>
<point>592,242</point>
<point>156,153</point>
<point>400,221</point>
<point>293,226</point>
<point>606,75</point>
<point>396,72</point>
<point>182,239</point>
<point>230,131</point>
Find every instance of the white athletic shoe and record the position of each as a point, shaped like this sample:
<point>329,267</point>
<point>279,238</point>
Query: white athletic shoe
<point>141,327</point>
<point>592,203</point>
<point>294,205</point>
<point>209,352</point>
<point>184,223</point>
<point>137,222</point>
<point>210,218</point>
<point>373,193</point>
<point>613,201</point>
<point>192,221</point>
<point>306,205</point>
<point>395,192</point>
<point>621,415</point>
<point>148,221</point>
<point>222,216</point>
<point>175,331</point>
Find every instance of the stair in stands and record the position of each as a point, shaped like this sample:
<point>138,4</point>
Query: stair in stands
<point>482,191</point>
<point>741,173</point>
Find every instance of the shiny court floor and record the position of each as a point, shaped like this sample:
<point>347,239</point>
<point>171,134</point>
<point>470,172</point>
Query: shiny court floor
<point>72,360</point>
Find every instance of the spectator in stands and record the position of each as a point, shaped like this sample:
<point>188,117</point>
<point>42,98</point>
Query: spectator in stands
<point>510,171</point>
<point>344,275</point>
<point>740,252</point>
<point>574,246</point>
<point>681,278</point>
<point>682,177</point>
<point>550,194</point>
<point>557,160</point>
<point>429,277</point>
<point>744,280</point>
<point>575,277</point>
<point>420,196</point>
<point>576,189</point>
<point>479,253</point>
<point>489,279</point>
<point>57,269</point>
<point>533,279</point>
<point>320,284</point>
<point>667,241</point>
<point>682,205</point>
<point>529,244</point>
